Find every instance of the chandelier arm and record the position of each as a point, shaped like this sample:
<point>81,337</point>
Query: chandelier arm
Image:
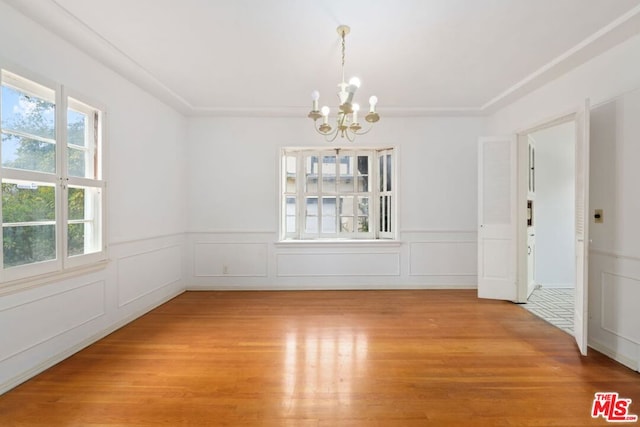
<point>351,136</point>
<point>364,132</point>
<point>333,138</point>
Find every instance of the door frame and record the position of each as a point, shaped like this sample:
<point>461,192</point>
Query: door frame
<point>522,293</point>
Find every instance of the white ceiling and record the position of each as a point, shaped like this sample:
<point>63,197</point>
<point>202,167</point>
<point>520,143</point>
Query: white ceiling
<point>264,57</point>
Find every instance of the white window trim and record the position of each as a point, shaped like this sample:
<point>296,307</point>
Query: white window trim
<point>64,266</point>
<point>374,236</point>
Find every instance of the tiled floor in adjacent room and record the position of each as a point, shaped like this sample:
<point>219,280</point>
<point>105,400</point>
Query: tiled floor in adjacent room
<point>553,305</point>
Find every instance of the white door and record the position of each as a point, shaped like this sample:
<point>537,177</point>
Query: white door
<point>531,223</point>
<point>580,317</point>
<point>497,196</point>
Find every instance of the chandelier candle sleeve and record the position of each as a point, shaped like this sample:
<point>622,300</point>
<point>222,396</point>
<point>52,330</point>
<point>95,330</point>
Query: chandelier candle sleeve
<point>347,125</point>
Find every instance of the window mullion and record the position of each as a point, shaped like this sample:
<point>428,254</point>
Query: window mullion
<point>300,205</point>
<point>62,172</point>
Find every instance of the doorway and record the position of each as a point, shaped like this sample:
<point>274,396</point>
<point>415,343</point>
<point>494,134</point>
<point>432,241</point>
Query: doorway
<point>550,240</point>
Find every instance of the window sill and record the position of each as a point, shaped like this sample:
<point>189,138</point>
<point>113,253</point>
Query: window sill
<point>33,281</point>
<point>341,243</point>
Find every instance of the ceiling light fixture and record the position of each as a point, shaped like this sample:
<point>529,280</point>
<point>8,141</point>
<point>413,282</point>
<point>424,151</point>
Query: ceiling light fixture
<point>347,125</point>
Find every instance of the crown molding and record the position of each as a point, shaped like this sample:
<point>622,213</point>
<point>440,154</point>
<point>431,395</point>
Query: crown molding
<point>54,17</point>
<point>614,33</point>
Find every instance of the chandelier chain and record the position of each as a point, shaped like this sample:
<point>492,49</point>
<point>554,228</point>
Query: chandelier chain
<point>343,49</point>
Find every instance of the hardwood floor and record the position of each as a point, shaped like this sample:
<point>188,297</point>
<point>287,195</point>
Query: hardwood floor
<point>344,358</point>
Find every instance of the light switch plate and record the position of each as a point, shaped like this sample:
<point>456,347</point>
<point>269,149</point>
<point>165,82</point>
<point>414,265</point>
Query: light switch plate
<point>598,217</point>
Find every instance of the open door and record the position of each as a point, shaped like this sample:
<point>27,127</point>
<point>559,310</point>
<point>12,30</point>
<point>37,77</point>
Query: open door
<point>580,316</point>
<point>497,210</point>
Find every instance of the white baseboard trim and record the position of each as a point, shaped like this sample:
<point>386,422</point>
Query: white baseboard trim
<point>629,363</point>
<point>556,285</point>
<point>309,287</point>
<point>41,367</point>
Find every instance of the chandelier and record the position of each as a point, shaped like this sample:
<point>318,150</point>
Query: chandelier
<point>347,125</point>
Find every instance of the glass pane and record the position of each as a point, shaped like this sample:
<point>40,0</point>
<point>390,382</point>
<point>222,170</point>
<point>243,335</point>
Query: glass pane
<point>363,165</point>
<point>388,172</point>
<point>346,174</point>
<point>75,240</point>
<point>290,215</point>
<point>329,173</point>
<point>382,211</point>
<point>84,226</point>
<point>329,214</point>
<point>76,158</point>
<point>311,215</point>
<point>363,184</point>
<point>77,124</point>
<point>363,206</point>
<point>290,174</point>
<point>346,184</point>
<point>28,244</point>
<point>27,202</point>
<point>363,224</point>
<point>387,213</point>
<point>82,142</point>
<point>19,152</point>
<point>76,203</point>
<point>363,174</point>
<point>346,224</point>
<point>346,205</point>
<point>311,174</point>
<point>27,113</point>
<point>381,173</point>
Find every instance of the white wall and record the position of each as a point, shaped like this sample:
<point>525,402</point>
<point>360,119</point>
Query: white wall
<point>233,208</point>
<point>555,206</point>
<point>609,81</point>
<point>145,155</point>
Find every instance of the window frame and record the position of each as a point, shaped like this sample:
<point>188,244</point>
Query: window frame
<point>299,234</point>
<point>63,264</point>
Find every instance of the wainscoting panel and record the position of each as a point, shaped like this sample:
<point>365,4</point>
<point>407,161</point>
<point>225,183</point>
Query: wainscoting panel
<point>338,264</point>
<point>43,319</point>
<point>620,299</point>
<point>443,258</point>
<point>614,297</point>
<point>143,273</point>
<point>230,259</point>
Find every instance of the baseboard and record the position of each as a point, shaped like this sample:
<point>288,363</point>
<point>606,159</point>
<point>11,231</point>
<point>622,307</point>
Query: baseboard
<point>629,363</point>
<point>41,367</point>
<point>556,285</point>
<point>309,287</point>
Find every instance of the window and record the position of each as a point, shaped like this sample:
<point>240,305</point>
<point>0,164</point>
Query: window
<point>51,173</point>
<point>334,194</point>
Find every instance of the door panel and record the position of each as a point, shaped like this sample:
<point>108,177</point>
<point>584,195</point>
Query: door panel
<point>580,318</point>
<point>497,218</point>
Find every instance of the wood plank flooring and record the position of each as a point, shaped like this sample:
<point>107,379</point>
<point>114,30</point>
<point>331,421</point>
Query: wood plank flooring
<point>343,358</point>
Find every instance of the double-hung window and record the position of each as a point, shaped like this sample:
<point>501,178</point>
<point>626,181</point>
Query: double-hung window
<point>337,194</point>
<point>52,204</point>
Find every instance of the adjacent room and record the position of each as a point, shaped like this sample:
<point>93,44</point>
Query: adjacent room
<point>319,213</point>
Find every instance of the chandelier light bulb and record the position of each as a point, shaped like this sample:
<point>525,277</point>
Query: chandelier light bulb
<point>325,114</point>
<point>372,102</point>
<point>315,95</point>
<point>354,81</point>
